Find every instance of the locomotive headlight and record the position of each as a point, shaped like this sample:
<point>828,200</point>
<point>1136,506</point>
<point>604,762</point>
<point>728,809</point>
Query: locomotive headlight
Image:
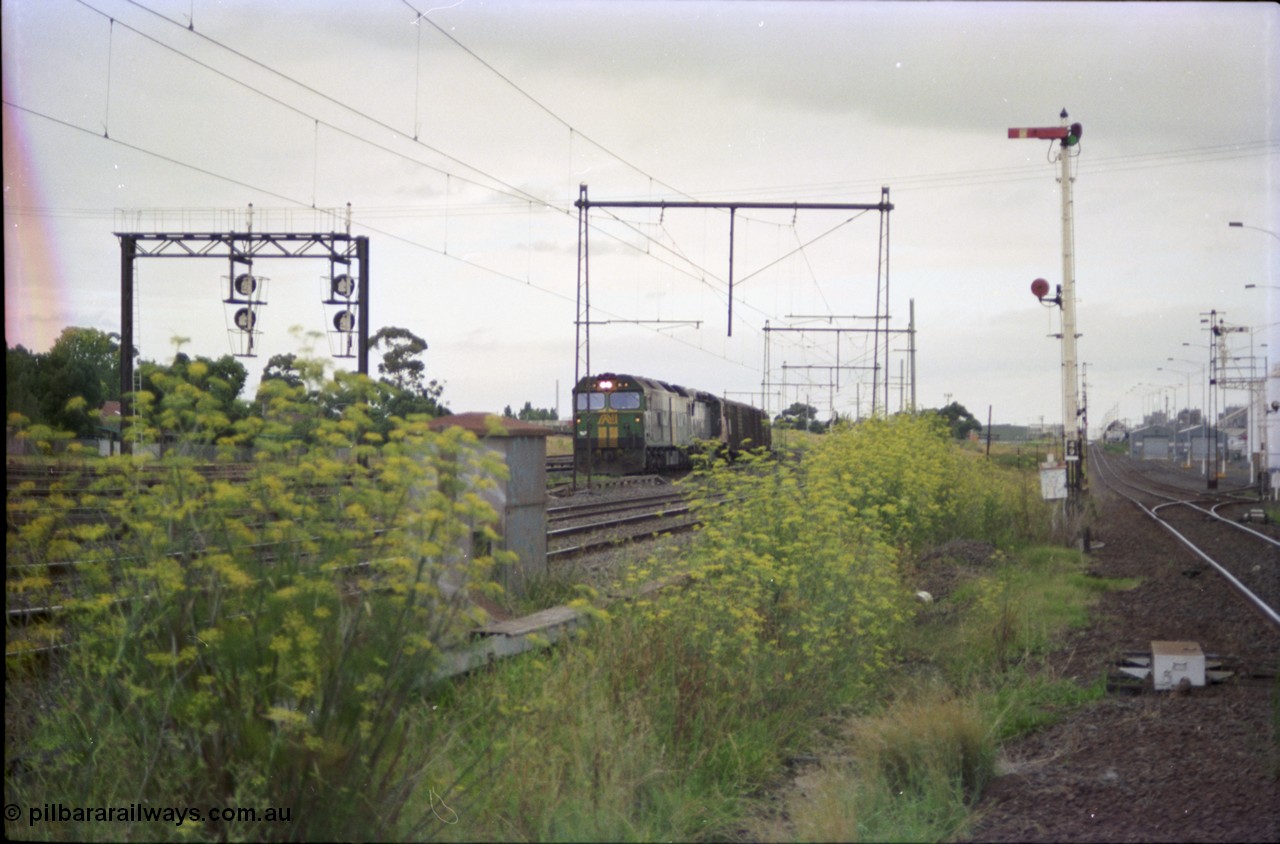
<point>606,385</point>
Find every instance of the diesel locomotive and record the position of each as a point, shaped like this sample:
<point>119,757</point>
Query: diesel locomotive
<point>625,424</point>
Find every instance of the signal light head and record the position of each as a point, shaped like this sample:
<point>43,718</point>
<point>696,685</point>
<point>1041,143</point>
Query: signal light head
<point>1040,288</point>
<point>344,321</point>
<point>343,285</point>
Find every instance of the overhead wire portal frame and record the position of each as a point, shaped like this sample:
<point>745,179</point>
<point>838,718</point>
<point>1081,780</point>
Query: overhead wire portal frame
<point>582,323</point>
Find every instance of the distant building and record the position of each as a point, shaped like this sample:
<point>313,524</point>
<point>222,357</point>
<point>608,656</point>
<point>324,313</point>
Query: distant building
<point>1201,440</point>
<point>1153,442</point>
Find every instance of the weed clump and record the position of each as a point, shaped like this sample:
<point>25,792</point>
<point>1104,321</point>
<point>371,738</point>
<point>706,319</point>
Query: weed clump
<point>245,635</point>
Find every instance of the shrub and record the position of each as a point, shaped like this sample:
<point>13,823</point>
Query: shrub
<point>784,610</point>
<point>248,636</point>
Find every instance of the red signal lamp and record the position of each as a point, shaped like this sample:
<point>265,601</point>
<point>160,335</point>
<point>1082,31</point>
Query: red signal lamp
<point>1040,289</point>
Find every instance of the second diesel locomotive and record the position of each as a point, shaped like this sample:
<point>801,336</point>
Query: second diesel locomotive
<point>626,424</point>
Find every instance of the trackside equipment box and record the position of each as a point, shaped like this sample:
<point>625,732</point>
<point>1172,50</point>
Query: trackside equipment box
<point>1171,662</point>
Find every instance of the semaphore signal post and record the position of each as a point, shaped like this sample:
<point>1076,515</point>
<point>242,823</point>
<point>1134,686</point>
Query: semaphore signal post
<point>1073,438</point>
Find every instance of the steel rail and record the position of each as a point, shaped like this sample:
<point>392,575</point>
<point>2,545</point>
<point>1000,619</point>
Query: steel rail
<point>1235,524</point>
<point>558,554</point>
<point>622,521</point>
<point>1188,502</point>
<point>1221,518</point>
<point>1267,611</point>
<point>588,509</point>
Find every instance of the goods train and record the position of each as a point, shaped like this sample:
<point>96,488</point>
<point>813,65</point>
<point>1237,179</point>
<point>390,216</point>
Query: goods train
<point>624,424</point>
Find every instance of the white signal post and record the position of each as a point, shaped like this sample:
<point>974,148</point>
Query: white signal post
<point>1073,441</point>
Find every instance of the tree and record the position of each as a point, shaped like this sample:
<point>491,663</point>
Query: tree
<point>960,420</point>
<point>222,379</point>
<point>22,385</point>
<point>529,413</point>
<point>799,416</point>
<point>283,368</point>
<point>71,395</point>
<point>65,386</point>
<point>401,366</point>
<point>403,370</point>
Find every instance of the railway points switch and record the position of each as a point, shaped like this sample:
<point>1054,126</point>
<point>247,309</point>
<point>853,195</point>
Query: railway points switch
<point>1172,662</point>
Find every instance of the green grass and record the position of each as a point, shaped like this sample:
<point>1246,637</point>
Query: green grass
<point>634,734</point>
<point>559,445</point>
<point>974,678</point>
<point>598,741</point>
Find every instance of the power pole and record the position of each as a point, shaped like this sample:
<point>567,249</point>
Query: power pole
<point>911,351</point>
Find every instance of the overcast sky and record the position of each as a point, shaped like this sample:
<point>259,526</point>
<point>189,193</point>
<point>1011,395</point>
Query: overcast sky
<point>460,141</point>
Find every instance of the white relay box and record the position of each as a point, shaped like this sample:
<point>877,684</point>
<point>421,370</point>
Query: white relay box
<point>1171,662</point>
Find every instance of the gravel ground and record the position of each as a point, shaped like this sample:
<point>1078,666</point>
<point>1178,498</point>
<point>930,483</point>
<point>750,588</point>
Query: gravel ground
<point>1153,766</point>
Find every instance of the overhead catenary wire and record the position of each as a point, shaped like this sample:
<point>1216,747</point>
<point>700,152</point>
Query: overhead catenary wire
<point>388,234</point>
<point>906,182</point>
<point>966,178</point>
<point>800,249</point>
<point>978,177</point>
<point>943,180</point>
<point>265,191</point>
<point>516,193</point>
<point>985,176</point>
<point>538,103</point>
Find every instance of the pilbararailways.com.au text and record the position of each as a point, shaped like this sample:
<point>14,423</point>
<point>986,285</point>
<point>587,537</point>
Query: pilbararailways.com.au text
<point>139,813</point>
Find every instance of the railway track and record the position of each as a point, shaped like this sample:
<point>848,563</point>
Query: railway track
<point>559,464</point>
<point>581,528</point>
<point>1222,529</point>
<point>43,489</point>
<point>599,520</point>
<point>1141,764</point>
<point>605,521</point>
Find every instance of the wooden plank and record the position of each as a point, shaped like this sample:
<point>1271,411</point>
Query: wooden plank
<point>539,622</point>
